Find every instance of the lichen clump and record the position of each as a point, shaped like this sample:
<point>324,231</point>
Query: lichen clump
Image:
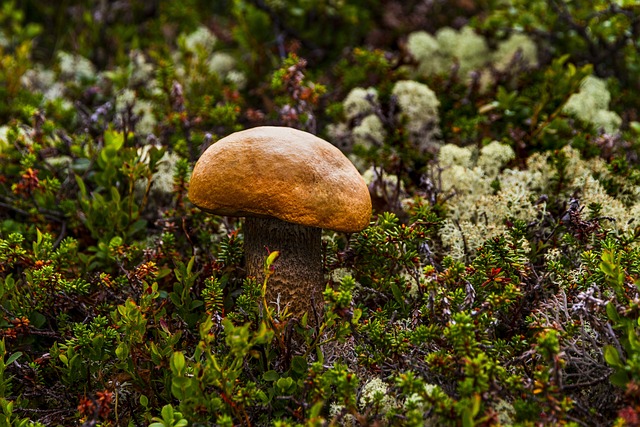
<point>591,104</point>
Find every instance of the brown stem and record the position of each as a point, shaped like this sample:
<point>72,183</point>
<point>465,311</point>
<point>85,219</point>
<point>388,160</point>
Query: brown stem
<point>297,281</point>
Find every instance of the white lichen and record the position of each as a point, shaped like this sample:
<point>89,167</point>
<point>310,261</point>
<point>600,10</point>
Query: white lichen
<point>41,80</point>
<point>519,44</point>
<point>418,102</point>
<point>163,181</point>
<point>336,275</point>
<point>344,420</point>
<point>505,412</point>
<point>494,157</point>
<point>38,79</point>
<point>451,154</point>
<point>75,67</point>
<point>359,102</point>
<point>238,78</point>
<point>221,63</point>
<point>462,238</point>
<point>553,255</point>
<point>592,191</point>
<point>591,104</point>
<point>202,40</point>
<point>20,134</point>
<point>375,393</point>
<point>465,47</point>
<point>162,184</point>
<point>419,106</point>
<point>369,132</point>
<point>126,101</point>
<point>464,180</point>
<point>449,48</point>
<point>142,72</point>
<point>382,184</point>
<point>426,51</point>
<point>477,212</point>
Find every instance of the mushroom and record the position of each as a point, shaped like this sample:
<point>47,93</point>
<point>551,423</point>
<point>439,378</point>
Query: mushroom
<point>289,185</point>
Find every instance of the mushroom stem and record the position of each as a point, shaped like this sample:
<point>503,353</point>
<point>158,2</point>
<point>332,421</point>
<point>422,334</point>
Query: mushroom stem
<point>297,280</point>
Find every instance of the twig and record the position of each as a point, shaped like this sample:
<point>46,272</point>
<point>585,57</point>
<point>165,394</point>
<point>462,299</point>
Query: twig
<point>51,215</point>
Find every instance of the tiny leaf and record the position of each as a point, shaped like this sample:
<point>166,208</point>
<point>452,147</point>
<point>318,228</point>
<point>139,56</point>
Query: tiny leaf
<point>612,356</point>
<point>270,376</point>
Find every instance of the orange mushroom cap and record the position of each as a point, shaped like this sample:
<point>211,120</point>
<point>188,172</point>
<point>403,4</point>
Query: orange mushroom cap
<point>283,173</point>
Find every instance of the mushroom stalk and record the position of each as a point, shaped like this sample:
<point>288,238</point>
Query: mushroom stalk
<point>297,280</point>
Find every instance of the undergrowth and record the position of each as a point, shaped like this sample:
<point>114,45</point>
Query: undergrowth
<point>498,282</point>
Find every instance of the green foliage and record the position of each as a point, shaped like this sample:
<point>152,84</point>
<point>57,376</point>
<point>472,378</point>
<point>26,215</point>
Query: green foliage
<point>367,68</point>
<point>540,113</point>
<point>16,46</point>
<point>296,97</point>
<point>623,313</point>
<point>219,370</point>
<point>601,33</point>
<point>302,21</point>
<point>497,284</point>
<point>170,418</point>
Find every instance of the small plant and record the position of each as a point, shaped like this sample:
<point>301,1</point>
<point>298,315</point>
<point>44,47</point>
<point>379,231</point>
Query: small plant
<point>296,97</point>
<point>170,418</point>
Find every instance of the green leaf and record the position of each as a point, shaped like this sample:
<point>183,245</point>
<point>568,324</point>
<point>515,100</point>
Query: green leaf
<point>115,194</point>
<point>115,241</point>
<point>320,354</point>
<point>397,293</point>
<point>113,139</point>
<point>476,405</point>
<point>175,299</point>
<point>167,413</point>
<point>83,188</point>
<point>299,365</point>
<point>606,267</point>
<point>192,260</point>
<point>467,418</point>
<point>619,378</point>
<point>612,357</point>
<point>98,341</point>
<point>137,226</point>
<point>612,313</point>
<point>270,376</point>
<point>305,320</point>
<point>263,397</point>
<point>122,352</point>
<point>178,363</point>
<point>284,383</point>
<point>144,400</point>
<point>315,410</point>
<point>13,358</point>
<point>357,313</point>
<point>634,343</point>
